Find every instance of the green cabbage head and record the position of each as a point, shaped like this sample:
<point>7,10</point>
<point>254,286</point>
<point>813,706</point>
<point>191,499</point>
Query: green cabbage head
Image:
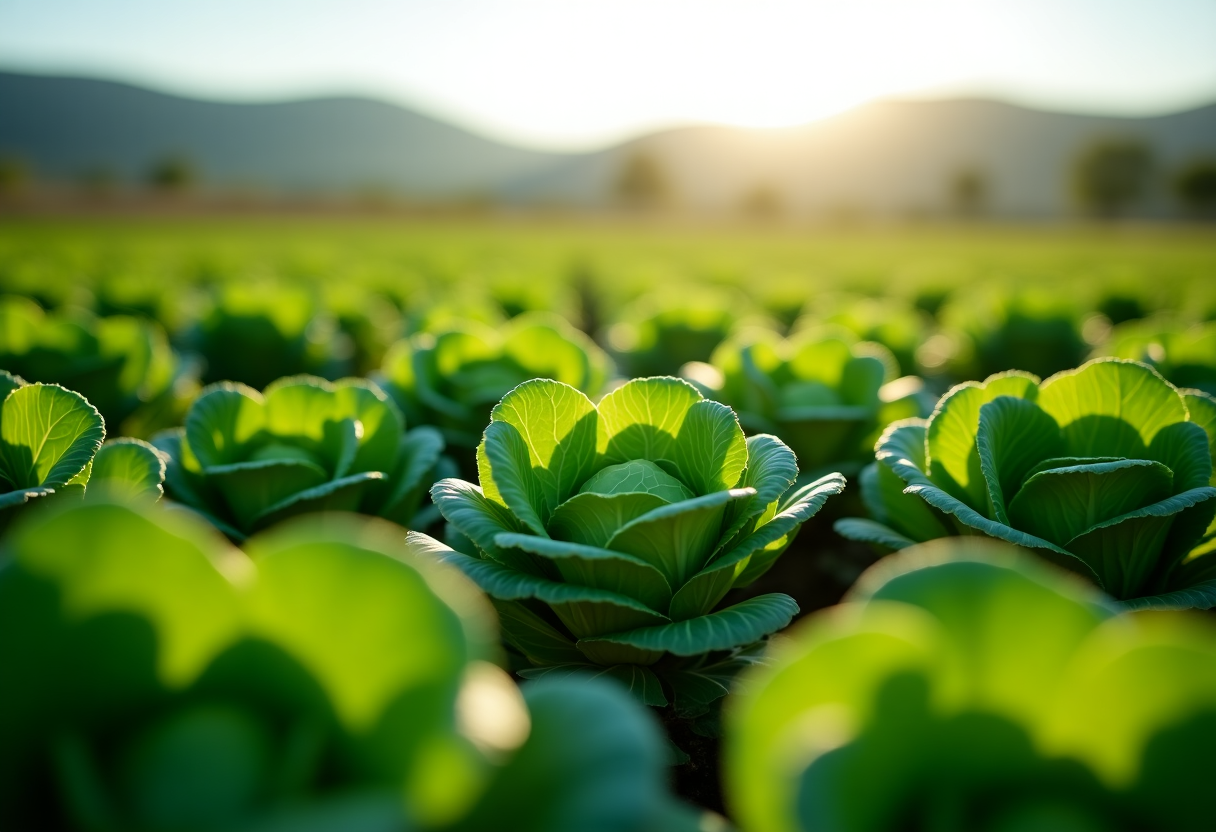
<point>453,378</point>
<point>822,391</point>
<point>257,332</point>
<point>51,442</point>
<point>1106,470</point>
<point>893,322</point>
<point>331,678</point>
<point>987,331</point>
<point>609,534</point>
<point>966,687</point>
<point>245,459</point>
<point>660,333</point>
<point>122,364</point>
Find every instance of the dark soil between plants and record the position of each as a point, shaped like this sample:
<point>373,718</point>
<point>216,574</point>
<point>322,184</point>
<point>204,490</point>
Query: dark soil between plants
<point>699,780</point>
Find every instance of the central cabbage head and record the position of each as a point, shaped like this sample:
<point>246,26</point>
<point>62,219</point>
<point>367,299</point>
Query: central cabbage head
<point>610,533</point>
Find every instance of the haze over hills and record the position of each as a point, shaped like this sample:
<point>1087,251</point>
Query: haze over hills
<point>65,126</point>
<point>888,157</point>
<point>884,158</point>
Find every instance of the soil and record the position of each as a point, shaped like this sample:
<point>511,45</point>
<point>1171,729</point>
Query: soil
<point>698,781</point>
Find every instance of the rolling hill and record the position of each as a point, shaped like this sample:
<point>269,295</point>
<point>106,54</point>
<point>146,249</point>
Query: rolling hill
<point>884,158</point>
<point>65,126</point>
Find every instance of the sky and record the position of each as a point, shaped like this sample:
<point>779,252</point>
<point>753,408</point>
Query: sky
<point>576,74</point>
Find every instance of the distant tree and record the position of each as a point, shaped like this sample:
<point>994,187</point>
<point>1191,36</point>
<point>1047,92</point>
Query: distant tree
<point>762,202</point>
<point>172,174</point>
<point>14,175</point>
<point>1112,175</point>
<point>1195,187</point>
<point>642,183</point>
<point>968,192</point>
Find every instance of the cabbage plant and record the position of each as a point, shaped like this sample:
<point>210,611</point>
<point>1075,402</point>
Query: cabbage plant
<point>822,391</point>
<point>51,441</point>
<point>123,365</point>
<point>1106,470</point>
<point>245,459</point>
<point>332,679</point>
<point>659,335</point>
<point>609,534</point>
<point>452,378</point>
<point>986,332</point>
<point>965,687</point>
<point>255,333</point>
<point>895,323</point>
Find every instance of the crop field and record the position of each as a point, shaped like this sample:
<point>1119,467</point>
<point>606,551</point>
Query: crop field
<point>385,524</point>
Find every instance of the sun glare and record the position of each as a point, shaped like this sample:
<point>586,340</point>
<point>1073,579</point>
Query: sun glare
<point>767,63</point>
<point>805,61</point>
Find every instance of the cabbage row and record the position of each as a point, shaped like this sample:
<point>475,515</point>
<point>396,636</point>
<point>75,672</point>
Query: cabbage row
<point>325,561</point>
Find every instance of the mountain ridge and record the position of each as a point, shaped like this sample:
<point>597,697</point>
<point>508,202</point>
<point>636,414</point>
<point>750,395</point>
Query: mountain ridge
<point>893,156</point>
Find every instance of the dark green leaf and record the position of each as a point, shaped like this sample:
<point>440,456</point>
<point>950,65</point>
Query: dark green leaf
<point>751,557</point>
<point>597,568</point>
<point>585,611</point>
<point>1061,503</point>
<point>736,626</point>
<point>343,494</point>
<point>794,510</point>
<point>1126,550</point>
<point>464,506</point>
<point>1201,596</point>
<point>531,635</point>
<point>22,496</point>
<point>1183,448</point>
<point>383,424</point>
<point>771,470</point>
<point>250,488</point>
<point>700,682</point>
<point>869,531</point>
<point>947,504</point>
<point>882,491</point>
<point>901,448</point>
<point>417,455</point>
<point>861,379</point>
